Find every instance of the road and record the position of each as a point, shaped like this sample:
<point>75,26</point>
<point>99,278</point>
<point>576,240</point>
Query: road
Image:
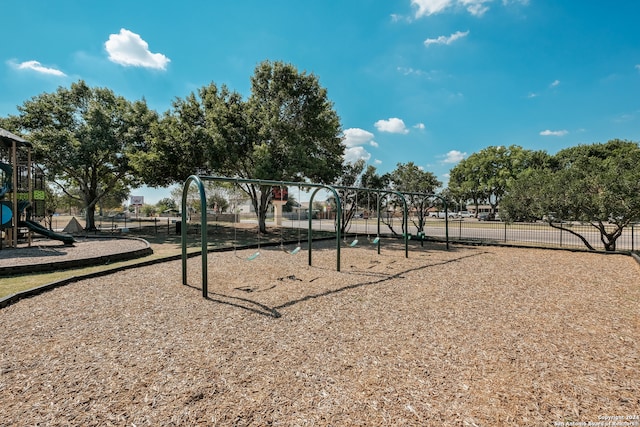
<point>471,229</point>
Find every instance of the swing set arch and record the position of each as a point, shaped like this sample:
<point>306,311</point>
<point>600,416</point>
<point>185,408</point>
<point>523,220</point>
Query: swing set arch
<point>198,181</point>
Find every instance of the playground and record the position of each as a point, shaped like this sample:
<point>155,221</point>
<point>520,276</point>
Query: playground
<point>466,336</point>
<point>377,330</point>
<point>22,194</point>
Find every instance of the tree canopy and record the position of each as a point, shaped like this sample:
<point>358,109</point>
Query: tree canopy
<point>485,176</point>
<point>598,184</point>
<point>420,186</point>
<point>286,130</point>
<point>85,138</point>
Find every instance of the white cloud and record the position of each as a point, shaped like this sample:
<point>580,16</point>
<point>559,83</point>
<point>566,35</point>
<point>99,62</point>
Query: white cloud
<point>476,7</point>
<point>128,49</point>
<point>428,75</point>
<point>627,117</point>
<point>554,132</point>
<point>638,67</point>
<point>554,83</point>
<point>37,67</point>
<point>454,156</point>
<point>409,71</point>
<point>532,95</point>
<point>353,154</point>
<point>354,141</point>
<point>432,7</point>
<point>377,161</point>
<point>393,125</point>
<point>419,126</point>
<point>446,40</point>
<point>354,137</point>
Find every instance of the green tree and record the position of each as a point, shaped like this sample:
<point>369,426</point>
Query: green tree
<point>166,203</point>
<point>178,144</point>
<point>85,137</point>
<point>218,201</point>
<point>286,130</point>
<point>148,210</point>
<point>598,184</point>
<point>409,178</point>
<point>465,182</point>
<point>350,197</point>
<point>485,176</point>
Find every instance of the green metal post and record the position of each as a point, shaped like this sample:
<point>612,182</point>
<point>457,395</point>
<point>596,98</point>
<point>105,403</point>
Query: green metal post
<point>203,231</point>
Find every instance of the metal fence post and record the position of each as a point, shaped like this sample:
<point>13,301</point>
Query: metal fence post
<point>505,232</point>
<point>560,234</point>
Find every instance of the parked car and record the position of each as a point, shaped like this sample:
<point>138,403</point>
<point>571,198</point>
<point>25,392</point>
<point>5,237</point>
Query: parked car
<point>441,214</point>
<point>486,216</point>
<point>119,215</point>
<point>464,214</point>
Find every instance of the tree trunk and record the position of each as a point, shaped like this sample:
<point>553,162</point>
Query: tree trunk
<point>263,206</point>
<point>609,239</point>
<point>262,219</point>
<point>90,220</point>
<point>579,236</point>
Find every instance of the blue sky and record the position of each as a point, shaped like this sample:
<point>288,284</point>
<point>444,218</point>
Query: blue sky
<point>428,81</point>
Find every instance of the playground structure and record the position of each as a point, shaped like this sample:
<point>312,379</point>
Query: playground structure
<point>22,193</point>
<point>278,187</point>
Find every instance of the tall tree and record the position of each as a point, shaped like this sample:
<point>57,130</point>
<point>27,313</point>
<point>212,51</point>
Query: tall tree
<point>350,197</point>
<point>287,130</point>
<point>484,177</point>
<point>411,179</point>
<point>598,184</point>
<point>84,137</point>
<point>178,144</point>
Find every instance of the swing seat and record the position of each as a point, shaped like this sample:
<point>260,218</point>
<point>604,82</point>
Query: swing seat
<point>292,252</point>
<point>355,242</point>
<point>376,240</point>
<point>253,256</point>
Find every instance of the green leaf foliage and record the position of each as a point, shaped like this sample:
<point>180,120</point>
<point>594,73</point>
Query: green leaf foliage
<point>485,176</point>
<point>286,130</point>
<point>596,183</point>
<point>86,137</point>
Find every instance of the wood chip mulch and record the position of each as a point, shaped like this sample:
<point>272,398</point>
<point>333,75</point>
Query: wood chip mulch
<point>474,336</point>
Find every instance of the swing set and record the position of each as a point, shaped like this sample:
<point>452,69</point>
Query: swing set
<point>277,195</point>
<point>279,198</point>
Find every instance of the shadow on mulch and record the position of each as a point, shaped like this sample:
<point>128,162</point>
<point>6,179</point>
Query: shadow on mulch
<point>257,307</point>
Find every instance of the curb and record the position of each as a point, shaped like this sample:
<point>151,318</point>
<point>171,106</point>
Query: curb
<point>79,263</point>
<point>13,298</point>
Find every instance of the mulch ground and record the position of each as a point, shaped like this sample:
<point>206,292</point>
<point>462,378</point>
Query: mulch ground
<point>479,336</point>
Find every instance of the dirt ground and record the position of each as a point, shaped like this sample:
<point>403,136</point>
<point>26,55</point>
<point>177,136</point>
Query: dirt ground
<point>480,336</point>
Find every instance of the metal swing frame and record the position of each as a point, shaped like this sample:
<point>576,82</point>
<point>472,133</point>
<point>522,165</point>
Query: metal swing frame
<point>297,248</point>
<point>198,181</point>
<point>381,193</point>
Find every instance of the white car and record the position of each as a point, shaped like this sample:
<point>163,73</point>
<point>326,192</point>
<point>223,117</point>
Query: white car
<point>464,214</point>
<point>441,214</point>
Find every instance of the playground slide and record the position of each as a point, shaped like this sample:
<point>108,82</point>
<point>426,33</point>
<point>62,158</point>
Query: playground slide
<point>67,239</point>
